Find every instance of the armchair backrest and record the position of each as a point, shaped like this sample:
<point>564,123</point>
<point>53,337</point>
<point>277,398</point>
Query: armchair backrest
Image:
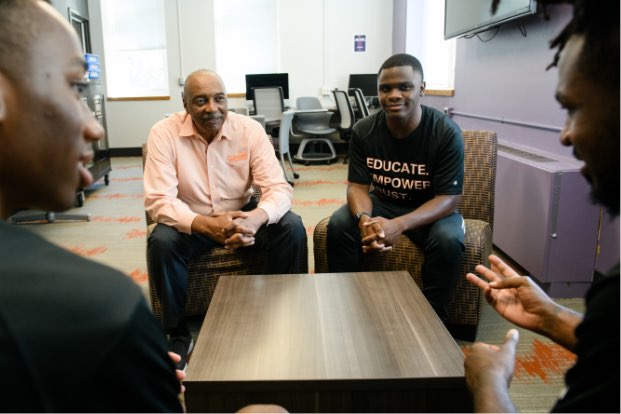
<point>480,152</point>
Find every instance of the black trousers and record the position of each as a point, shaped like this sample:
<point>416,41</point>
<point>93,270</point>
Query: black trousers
<point>442,242</point>
<point>170,251</point>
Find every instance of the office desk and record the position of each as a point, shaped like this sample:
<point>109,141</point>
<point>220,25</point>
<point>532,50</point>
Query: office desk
<point>309,111</point>
<point>353,342</point>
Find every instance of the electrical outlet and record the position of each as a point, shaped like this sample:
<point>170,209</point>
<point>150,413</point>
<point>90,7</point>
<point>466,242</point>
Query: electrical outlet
<point>325,91</point>
<point>181,81</point>
<point>448,110</point>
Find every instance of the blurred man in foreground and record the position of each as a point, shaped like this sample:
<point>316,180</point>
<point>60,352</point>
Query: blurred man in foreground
<point>588,88</point>
<point>74,335</point>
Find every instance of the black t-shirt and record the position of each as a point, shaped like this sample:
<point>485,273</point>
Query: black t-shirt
<point>76,335</point>
<point>593,382</point>
<point>412,170</point>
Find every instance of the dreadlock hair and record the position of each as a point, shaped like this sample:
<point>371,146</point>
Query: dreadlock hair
<point>403,59</point>
<point>598,22</point>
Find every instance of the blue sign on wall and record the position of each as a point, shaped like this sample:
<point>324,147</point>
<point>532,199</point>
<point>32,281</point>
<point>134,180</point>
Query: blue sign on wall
<point>360,43</point>
<point>93,70</point>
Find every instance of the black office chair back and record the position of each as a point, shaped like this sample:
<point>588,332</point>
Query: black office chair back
<point>361,103</point>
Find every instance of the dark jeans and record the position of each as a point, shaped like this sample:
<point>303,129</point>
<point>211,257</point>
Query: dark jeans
<point>170,251</point>
<point>442,242</point>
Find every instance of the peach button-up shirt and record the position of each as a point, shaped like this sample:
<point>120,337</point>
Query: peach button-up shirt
<point>184,176</point>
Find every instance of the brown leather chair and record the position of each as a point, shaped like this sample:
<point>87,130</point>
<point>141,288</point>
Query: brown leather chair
<point>477,208</point>
<point>204,270</point>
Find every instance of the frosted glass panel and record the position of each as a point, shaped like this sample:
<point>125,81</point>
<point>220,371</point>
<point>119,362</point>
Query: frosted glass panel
<point>246,40</point>
<point>425,40</point>
<point>135,48</point>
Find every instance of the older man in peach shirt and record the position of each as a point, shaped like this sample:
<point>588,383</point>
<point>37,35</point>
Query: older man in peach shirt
<point>200,167</point>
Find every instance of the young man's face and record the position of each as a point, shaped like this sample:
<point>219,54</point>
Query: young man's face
<point>46,130</point>
<point>400,89</point>
<point>592,125</point>
<point>206,102</point>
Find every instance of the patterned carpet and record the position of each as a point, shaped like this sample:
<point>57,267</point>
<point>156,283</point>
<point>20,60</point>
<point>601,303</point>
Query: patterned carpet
<point>540,363</point>
<point>116,236</point>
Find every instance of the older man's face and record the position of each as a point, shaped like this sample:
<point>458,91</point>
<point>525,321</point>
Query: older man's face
<point>206,102</point>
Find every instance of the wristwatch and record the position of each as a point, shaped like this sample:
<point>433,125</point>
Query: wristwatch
<point>360,214</point>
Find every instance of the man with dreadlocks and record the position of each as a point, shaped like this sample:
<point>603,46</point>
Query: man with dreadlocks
<point>588,88</point>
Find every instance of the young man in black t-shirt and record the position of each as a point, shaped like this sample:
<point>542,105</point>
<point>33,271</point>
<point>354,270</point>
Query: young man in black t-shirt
<point>412,157</point>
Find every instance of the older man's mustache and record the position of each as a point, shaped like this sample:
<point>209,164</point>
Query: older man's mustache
<point>212,117</point>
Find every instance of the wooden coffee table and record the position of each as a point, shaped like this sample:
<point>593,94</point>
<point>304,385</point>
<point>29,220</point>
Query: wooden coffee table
<point>330,342</point>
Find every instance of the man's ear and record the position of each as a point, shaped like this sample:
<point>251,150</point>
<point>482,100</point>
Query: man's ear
<point>183,101</point>
<point>423,85</point>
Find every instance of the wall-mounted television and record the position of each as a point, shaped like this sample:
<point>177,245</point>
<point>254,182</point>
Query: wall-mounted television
<point>468,17</point>
<point>267,79</point>
<point>366,81</point>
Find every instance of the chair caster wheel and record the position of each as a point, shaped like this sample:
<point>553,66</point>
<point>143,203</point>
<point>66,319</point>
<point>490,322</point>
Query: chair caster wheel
<point>79,199</point>
<point>307,163</point>
<point>296,175</point>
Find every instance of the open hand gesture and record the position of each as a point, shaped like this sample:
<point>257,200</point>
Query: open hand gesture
<point>516,298</point>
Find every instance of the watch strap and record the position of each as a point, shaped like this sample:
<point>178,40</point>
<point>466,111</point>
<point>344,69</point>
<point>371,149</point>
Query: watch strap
<point>360,214</point>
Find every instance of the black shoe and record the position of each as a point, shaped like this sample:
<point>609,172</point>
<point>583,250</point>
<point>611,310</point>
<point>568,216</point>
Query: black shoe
<point>182,346</point>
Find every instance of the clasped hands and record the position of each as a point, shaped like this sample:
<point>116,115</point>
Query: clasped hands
<point>235,229</point>
<point>378,234</point>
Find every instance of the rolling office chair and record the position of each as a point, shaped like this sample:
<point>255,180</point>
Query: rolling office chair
<point>283,144</point>
<point>316,127</point>
<point>47,216</point>
<point>269,102</point>
<point>347,119</point>
<point>31,216</point>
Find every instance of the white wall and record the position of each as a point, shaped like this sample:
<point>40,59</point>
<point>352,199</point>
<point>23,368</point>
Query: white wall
<point>316,49</point>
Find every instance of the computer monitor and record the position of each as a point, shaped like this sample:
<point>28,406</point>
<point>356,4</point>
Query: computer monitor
<point>366,82</point>
<point>267,79</point>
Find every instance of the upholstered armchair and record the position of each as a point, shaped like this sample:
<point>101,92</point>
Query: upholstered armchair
<point>477,208</point>
<point>205,269</point>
